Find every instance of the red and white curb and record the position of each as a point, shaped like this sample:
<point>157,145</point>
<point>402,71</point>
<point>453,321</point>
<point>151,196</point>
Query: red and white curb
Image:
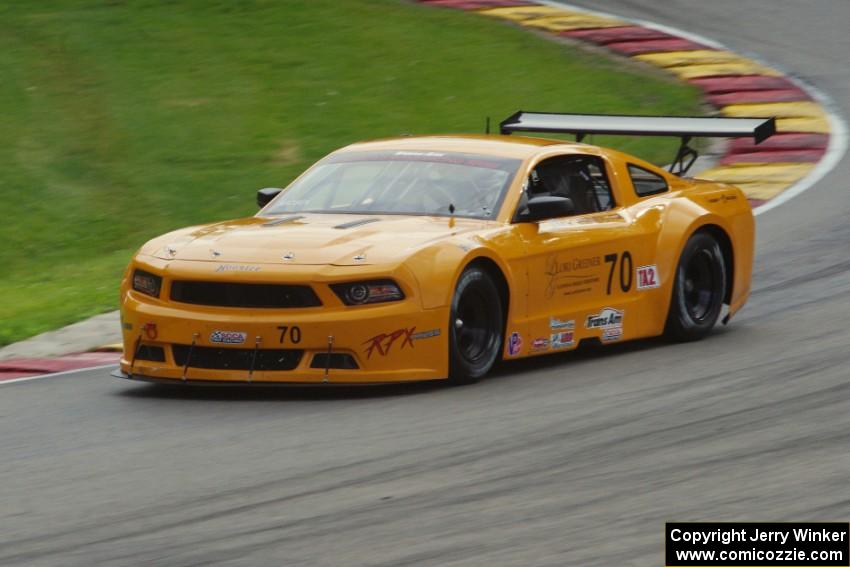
<point>23,369</point>
<point>811,139</point>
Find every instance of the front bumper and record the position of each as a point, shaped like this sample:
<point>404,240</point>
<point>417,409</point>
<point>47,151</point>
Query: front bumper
<point>389,343</point>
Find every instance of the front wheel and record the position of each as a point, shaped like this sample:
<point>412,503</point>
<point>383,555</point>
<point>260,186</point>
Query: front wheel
<point>475,327</point>
<point>699,289</point>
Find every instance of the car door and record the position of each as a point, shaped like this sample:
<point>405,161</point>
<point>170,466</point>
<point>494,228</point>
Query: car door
<point>582,267</point>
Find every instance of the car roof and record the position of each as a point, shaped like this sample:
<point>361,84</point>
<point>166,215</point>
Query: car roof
<point>519,147</point>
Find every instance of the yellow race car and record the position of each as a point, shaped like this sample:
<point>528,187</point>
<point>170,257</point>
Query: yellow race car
<point>430,258</point>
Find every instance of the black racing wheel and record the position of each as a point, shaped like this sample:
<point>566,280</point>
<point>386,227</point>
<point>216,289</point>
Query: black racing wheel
<point>699,289</point>
<point>475,327</point>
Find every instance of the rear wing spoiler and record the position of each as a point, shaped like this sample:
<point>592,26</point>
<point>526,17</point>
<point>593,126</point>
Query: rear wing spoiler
<point>684,128</point>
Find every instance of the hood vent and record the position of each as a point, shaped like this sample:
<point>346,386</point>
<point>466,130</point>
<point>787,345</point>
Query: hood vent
<point>352,224</point>
<point>276,222</point>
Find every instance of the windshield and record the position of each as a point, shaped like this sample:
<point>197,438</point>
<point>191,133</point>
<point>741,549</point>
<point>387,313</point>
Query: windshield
<point>401,182</point>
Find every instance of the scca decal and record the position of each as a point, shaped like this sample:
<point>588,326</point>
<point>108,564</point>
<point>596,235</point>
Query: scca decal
<point>384,342</point>
<point>228,337</point>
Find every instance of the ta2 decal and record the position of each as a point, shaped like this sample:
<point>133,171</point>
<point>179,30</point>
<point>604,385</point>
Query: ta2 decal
<point>647,277</point>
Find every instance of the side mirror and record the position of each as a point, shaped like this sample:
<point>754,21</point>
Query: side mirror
<point>548,207</point>
<point>264,196</point>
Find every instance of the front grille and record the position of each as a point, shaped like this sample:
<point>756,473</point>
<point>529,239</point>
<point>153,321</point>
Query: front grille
<point>215,358</point>
<point>334,360</point>
<point>152,353</point>
<point>227,294</point>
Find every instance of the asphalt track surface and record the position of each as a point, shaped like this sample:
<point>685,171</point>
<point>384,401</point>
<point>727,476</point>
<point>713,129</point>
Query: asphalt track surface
<point>575,459</point>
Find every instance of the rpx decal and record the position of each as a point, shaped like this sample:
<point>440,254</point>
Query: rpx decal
<point>228,337</point>
<point>514,344</point>
<point>385,341</point>
<point>606,319</point>
<point>647,277</point>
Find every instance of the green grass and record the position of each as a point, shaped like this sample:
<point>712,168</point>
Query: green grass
<point>124,119</point>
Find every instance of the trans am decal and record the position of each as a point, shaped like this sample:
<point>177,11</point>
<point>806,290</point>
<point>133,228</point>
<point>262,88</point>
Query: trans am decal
<point>605,319</point>
<point>610,321</point>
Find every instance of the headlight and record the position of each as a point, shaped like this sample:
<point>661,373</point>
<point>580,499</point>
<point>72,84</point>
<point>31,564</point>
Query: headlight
<point>361,293</point>
<point>146,283</point>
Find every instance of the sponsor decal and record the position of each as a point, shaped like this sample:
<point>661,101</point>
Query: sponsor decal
<point>514,344</point>
<point>647,277</point>
<point>555,323</point>
<point>540,343</point>
<point>425,334</point>
<point>571,276</point>
<point>236,268</point>
<point>150,331</point>
<point>605,319</point>
<point>228,337</point>
<point>563,339</point>
<point>613,334</point>
<point>384,342</point>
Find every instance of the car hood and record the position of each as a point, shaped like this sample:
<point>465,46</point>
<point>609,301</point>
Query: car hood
<point>342,240</point>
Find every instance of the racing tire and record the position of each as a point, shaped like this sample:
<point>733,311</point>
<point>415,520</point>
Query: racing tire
<point>476,323</point>
<point>699,290</point>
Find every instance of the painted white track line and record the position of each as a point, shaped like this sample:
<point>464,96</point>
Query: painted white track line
<point>54,374</point>
<point>838,135</point>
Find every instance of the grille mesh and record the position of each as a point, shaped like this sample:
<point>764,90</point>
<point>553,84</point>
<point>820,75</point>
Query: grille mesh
<point>227,294</point>
<point>214,358</point>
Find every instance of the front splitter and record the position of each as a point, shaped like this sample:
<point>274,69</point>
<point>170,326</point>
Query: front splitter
<point>242,384</point>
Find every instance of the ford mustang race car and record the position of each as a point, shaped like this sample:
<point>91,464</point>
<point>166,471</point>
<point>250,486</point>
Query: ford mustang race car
<point>429,258</point>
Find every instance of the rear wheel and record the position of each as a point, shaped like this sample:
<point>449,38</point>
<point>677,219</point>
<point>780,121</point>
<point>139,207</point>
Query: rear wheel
<point>699,289</point>
<point>475,327</point>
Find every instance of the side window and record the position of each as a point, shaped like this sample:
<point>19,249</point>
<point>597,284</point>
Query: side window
<point>580,178</point>
<point>645,182</point>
